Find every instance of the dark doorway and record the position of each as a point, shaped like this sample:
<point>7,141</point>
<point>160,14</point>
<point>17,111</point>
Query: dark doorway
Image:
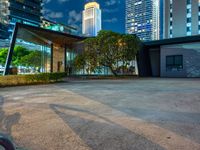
<point>155,61</point>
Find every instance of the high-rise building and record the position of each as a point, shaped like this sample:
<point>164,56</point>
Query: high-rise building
<point>23,11</point>
<point>143,18</point>
<point>182,18</point>
<point>91,19</point>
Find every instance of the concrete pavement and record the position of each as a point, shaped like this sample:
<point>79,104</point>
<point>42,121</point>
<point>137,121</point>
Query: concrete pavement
<point>104,115</point>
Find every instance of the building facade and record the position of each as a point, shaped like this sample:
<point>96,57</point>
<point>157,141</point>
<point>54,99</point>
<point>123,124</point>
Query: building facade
<point>51,25</point>
<point>91,19</point>
<point>182,18</point>
<point>22,11</point>
<point>143,18</point>
<point>174,57</point>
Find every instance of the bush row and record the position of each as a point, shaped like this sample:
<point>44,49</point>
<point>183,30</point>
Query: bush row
<point>43,78</point>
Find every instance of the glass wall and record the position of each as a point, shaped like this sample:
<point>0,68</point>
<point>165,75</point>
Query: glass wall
<point>29,58</point>
<point>70,56</point>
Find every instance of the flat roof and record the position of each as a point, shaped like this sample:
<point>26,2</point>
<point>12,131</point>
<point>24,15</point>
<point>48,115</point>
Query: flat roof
<point>178,40</point>
<point>41,36</point>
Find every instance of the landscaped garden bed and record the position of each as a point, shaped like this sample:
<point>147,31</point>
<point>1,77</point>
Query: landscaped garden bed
<point>43,78</point>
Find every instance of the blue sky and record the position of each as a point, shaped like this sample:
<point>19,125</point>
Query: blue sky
<point>70,12</point>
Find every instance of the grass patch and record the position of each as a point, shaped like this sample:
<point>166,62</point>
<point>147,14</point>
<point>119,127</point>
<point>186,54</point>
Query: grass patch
<point>43,78</point>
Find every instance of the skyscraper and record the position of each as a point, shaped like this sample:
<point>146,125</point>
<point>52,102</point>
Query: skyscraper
<point>143,18</point>
<point>91,19</point>
<point>23,11</point>
<point>182,18</point>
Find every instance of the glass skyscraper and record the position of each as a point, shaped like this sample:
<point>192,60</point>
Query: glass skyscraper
<point>23,11</point>
<point>143,19</point>
<point>91,19</point>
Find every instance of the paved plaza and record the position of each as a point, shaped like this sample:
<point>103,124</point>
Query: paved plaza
<point>138,114</point>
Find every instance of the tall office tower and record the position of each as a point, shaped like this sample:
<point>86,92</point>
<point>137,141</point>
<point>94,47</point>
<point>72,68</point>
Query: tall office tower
<point>182,18</point>
<point>23,11</point>
<point>143,18</point>
<point>91,19</point>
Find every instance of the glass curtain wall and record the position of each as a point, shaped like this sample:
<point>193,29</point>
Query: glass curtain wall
<point>30,58</point>
<point>70,56</point>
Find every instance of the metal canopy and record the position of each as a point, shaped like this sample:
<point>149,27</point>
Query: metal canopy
<point>40,36</point>
<point>177,40</point>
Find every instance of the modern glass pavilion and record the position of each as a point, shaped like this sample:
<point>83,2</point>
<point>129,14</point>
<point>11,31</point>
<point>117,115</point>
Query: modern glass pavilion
<point>57,48</point>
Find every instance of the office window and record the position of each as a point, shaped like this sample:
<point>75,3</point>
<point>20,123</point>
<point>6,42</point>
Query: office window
<point>189,20</point>
<point>189,11</point>
<point>174,62</point>
<point>188,1</point>
<point>170,31</point>
<point>188,29</point>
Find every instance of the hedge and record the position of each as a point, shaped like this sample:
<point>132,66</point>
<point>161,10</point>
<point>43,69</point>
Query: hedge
<point>43,78</point>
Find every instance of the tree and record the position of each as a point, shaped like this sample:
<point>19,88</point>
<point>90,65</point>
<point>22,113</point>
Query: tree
<point>108,48</point>
<point>22,57</point>
<point>91,54</point>
<point>109,52</point>
<point>33,59</point>
<point>3,56</point>
<point>79,62</point>
<point>18,54</point>
<point>129,46</point>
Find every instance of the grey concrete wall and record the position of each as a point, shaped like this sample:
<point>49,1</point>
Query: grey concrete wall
<point>191,60</point>
<point>195,18</point>
<point>166,17</point>
<point>179,18</point>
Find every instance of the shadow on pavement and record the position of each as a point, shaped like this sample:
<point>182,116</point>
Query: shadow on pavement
<point>184,123</point>
<point>7,121</point>
<point>104,134</point>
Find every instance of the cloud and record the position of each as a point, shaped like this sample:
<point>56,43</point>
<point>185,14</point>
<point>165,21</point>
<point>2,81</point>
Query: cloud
<point>112,20</point>
<point>55,15</point>
<point>110,10</point>
<point>112,2</point>
<point>62,1</point>
<point>46,1</point>
<point>75,19</point>
<point>59,1</point>
<point>49,14</point>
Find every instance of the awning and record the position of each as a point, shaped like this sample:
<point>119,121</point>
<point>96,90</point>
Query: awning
<point>39,35</point>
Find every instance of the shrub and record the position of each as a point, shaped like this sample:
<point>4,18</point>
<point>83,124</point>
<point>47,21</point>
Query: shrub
<point>43,78</point>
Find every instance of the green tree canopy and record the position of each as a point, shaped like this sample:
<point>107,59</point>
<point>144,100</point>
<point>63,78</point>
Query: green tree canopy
<point>22,56</point>
<point>3,56</point>
<point>108,48</point>
<point>33,59</point>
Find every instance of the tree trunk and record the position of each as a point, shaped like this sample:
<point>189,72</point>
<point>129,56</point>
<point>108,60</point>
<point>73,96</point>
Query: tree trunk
<point>113,71</point>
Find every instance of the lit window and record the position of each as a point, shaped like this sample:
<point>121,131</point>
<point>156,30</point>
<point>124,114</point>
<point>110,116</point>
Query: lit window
<point>188,2</point>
